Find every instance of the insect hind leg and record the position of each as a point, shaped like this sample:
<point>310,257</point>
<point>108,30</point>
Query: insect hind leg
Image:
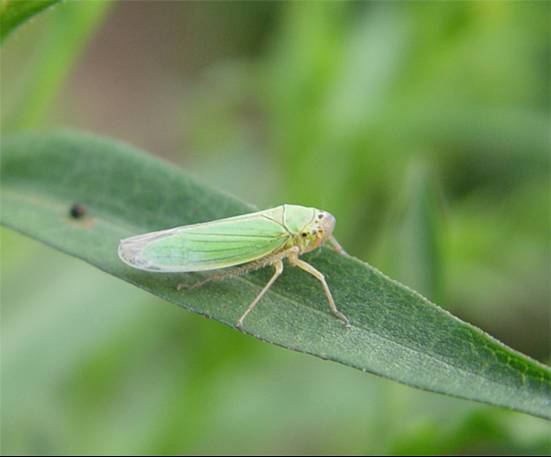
<point>221,275</point>
<point>239,270</point>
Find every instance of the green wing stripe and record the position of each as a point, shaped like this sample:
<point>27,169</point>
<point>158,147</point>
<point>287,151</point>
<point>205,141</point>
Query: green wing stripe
<point>202,247</point>
<point>182,254</point>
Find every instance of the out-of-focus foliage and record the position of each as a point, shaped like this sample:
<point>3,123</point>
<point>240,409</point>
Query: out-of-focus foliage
<point>340,105</point>
<point>14,13</point>
<point>52,59</point>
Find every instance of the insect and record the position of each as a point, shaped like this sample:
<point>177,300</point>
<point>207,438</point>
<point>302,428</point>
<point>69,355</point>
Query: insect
<point>237,245</point>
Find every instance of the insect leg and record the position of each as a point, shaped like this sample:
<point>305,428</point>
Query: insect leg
<point>213,277</point>
<point>294,260</point>
<point>278,265</point>
<point>240,270</point>
<point>337,246</point>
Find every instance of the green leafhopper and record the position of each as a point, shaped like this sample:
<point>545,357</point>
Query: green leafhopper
<point>237,245</point>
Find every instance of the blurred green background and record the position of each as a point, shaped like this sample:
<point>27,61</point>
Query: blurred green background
<point>423,126</point>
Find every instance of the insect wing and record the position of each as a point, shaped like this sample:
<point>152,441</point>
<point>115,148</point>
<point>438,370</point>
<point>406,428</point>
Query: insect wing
<point>209,246</point>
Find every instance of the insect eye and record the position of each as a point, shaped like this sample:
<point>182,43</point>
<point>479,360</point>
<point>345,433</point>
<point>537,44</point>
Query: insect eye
<point>304,234</point>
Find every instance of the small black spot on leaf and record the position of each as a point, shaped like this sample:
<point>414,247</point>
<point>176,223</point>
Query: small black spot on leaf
<point>77,211</point>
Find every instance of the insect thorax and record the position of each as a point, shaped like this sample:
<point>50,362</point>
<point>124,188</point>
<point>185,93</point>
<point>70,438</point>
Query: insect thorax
<point>317,228</point>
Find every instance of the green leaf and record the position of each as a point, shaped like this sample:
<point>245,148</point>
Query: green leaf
<point>13,13</point>
<point>396,332</point>
<point>68,31</point>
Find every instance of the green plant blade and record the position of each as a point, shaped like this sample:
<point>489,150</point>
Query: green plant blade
<point>395,332</point>
<point>69,30</point>
<point>13,13</point>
